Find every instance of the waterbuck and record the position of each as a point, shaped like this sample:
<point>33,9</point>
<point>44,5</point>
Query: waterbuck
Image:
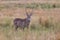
<point>23,23</point>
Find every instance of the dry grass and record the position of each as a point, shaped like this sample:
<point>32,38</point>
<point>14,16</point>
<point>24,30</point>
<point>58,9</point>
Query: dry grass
<point>36,31</point>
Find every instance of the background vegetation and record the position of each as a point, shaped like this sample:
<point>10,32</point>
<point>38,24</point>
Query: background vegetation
<point>40,30</point>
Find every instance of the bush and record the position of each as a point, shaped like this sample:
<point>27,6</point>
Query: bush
<point>48,23</point>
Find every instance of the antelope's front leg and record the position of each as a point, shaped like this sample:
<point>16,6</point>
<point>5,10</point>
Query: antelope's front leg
<point>16,27</point>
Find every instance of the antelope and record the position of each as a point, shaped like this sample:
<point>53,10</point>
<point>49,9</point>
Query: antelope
<point>23,23</point>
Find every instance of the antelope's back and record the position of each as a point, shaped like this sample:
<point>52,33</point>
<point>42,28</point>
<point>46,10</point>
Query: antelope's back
<point>18,21</point>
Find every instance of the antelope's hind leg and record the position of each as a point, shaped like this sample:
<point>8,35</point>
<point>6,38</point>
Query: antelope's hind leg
<point>23,28</point>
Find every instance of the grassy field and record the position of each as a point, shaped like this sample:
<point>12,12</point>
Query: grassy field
<point>31,5</point>
<point>36,31</point>
<point>45,22</point>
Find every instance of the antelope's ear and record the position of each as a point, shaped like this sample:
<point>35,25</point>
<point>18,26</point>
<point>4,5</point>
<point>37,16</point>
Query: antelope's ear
<point>31,13</point>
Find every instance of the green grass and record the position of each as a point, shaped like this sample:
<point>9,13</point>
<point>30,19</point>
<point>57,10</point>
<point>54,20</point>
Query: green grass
<point>32,5</point>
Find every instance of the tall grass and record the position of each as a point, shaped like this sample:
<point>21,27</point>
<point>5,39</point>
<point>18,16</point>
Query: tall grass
<point>36,31</point>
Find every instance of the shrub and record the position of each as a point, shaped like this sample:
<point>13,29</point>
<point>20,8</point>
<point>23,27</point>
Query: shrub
<point>47,23</point>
